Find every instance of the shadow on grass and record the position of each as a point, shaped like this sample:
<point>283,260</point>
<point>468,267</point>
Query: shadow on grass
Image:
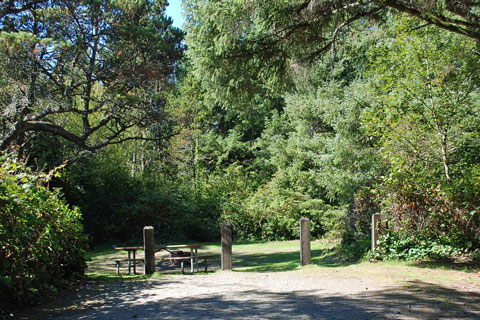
<point>418,300</point>
<point>285,261</point>
<point>471,267</point>
<point>112,276</point>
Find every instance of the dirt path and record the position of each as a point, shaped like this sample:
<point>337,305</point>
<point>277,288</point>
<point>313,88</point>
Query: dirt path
<point>309,293</point>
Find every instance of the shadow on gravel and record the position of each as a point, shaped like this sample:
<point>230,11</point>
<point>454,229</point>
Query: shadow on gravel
<point>417,300</point>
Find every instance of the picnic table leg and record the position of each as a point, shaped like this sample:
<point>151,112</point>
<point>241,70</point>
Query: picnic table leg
<point>196,259</point>
<point>134,263</point>
<point>129,264</point>
<point>191,260</point>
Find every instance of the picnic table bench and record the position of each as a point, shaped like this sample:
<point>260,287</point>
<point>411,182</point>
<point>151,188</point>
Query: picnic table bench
<point>184,259</point>
<point>131,263</point>
<point>132,259</point>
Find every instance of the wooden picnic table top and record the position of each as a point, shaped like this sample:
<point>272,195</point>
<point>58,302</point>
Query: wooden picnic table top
<point>192,246</point>
<point>128,248</point>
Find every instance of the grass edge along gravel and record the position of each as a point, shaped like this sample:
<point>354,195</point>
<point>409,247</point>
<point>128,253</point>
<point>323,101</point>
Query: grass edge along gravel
<point>283,256</point>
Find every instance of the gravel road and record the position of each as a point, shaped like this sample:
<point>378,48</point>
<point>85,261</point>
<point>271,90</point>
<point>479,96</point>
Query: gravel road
<point>271,295</point>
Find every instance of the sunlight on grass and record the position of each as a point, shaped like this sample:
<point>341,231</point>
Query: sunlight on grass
<point>284,256</point>
<point>247,257</point>
<point>275,256</point>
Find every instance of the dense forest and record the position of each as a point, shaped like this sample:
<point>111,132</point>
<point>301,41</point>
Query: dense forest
<point>258,113</point>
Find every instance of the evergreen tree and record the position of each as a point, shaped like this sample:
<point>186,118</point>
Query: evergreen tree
<point>86,71</point>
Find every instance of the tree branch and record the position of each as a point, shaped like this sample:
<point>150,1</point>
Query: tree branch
<point>10,7</point>
<point>458,26</point>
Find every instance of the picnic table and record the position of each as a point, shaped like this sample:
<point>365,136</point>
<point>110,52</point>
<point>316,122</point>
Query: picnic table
<point>132,260</point>
<point>193,253</point>
<point>193,257</point>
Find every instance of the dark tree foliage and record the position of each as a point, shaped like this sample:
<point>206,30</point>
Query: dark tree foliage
<point>116,206</point>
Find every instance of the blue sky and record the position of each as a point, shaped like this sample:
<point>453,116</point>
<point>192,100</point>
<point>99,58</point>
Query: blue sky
<point>174,10</point>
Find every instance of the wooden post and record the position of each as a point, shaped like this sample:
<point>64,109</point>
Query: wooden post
<point>149,250</point>
<point>227,232</point>
<point>305,254</point>
<point>377,228</point>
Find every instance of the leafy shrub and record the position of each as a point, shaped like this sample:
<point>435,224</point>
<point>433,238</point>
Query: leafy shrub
<point>476,255</point>
<point>401,246</point>
<point>356,224</point>
<point>354,247</point>
<point>41,237</point>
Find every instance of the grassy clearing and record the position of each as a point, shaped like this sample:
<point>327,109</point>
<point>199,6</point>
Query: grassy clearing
<point>284,256</point>
<point>278,255</point>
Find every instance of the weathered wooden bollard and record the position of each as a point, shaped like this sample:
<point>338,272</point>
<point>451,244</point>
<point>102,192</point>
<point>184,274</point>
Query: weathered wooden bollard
<point>227,236</point>
<point>377,228</point>
<point>305,254</point>
<point>149,250</point>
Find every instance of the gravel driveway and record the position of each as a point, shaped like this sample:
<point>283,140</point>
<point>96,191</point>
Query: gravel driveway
<point>299,294</point>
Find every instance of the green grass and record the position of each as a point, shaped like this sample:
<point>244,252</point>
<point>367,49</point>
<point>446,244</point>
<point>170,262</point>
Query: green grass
<point>247,257</point>
<point>99,251</point>
<point>276,256</point>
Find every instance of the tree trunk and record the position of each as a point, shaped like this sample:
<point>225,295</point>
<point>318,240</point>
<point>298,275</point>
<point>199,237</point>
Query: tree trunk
<point>445,156</point>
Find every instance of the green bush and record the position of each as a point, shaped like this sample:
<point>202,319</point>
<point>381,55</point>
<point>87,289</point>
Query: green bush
<point>356,224</point>
<point>354,246</point>
<point>40,236</point>
<point>401,246</point>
